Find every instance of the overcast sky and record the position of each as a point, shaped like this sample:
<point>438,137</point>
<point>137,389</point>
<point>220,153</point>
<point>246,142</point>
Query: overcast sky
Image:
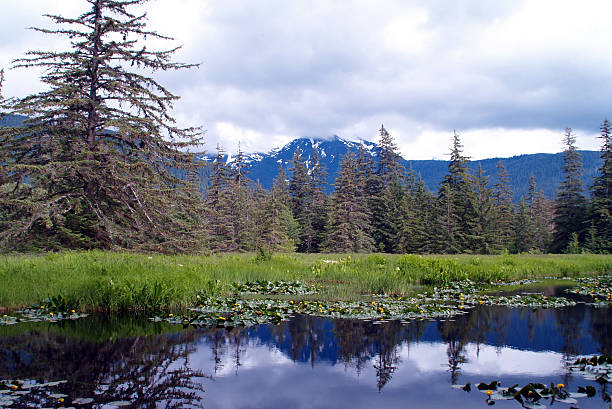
<point>508,75</point>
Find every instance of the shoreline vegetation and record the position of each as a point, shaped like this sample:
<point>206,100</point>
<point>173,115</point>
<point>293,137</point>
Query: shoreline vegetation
<point>104,281</point>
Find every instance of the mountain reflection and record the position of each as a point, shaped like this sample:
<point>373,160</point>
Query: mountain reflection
<point>308,357</point>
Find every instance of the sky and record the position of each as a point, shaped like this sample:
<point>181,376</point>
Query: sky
<point>507,75</point>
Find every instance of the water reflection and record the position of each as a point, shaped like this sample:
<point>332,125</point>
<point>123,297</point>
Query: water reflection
<point>306,362</point>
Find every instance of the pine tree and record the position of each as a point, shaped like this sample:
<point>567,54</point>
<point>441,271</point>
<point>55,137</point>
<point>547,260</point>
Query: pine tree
<point>349,219</point>
<point>502,196</point>
<point>570,208</point>
<point>91,167</point>
<point>601,220</point>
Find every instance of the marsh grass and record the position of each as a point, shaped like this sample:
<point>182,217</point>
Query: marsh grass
<point>116,281</point>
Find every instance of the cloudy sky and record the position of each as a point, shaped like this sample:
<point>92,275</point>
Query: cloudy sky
<point>508,75</point>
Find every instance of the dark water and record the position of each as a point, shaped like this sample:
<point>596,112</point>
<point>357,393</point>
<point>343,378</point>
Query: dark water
<point>307,362</point>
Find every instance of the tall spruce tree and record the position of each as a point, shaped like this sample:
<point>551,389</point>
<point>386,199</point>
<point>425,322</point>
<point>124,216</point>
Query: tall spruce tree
<point>349,224</point>
<point>242,204</point>
<point>387,191</point>
<point>570,208</point>
<point>91,167</point>
<point>456,203</point>
<point>300,188</point>
<point>601,221</point>
<point>320,200</point>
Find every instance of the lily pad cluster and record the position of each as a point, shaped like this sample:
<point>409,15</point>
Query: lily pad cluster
<point>31,394</point>
<point>599,289</point>
<point>38,314</point>
<point>531,395</point>
<point>276,287</point>
<point>466,294</point>
<point>442,302</point>
<point>24,393</point>
<point>595,368</point>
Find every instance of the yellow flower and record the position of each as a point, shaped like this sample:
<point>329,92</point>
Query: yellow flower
<point>51,314</point>
<point>489,393</point>
<point>42,306</point>
<point>222,318</point>
<point>14,387</point>
<point>278,314</point>
<point>3,315</point>
<point>291,302</point>
<point>560,385</point>
<point>170,315</point>
<point>72,311</point>
<point>61,400</point>
<point>421,311</point>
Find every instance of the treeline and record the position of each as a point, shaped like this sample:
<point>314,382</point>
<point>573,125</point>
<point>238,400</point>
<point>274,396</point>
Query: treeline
<point>377,205</point>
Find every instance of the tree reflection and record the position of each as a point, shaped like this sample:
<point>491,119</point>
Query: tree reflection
<point>148,371</point>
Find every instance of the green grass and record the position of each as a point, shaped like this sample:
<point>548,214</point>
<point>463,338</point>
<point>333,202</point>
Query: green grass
<point>114,281</point>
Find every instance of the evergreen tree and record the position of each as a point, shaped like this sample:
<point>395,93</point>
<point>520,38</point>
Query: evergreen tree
<point>417,218</point>
<point>502,197</point>
<point>485,223</point>
<point>278,229</point>
<point>319,203</point>
<point>349,220</point>
<point>387,191</point>
<point>601,220</point>
<point>570,208</point>
<point>456,201</point>
<point>300,189</point>
<point>91,166</point>
<point>242,205</point>
<point>219,210</point>
<point>541,216</point>
<point>523,229</point>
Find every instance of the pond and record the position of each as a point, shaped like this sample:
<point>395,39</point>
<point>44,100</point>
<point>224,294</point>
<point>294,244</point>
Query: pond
<point>305,362</point>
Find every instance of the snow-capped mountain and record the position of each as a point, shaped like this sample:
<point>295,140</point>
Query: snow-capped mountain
<point>264,167</point>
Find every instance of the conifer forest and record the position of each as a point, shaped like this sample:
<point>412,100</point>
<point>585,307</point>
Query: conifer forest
<point>100,163</point>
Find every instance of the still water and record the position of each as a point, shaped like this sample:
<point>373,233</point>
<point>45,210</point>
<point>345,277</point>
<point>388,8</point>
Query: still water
<point>307,362</point>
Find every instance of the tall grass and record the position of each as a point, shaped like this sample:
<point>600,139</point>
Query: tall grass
<point>114,281</point>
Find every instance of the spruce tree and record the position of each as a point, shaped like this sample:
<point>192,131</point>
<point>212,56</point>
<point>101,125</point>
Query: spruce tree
<point>242,206</point>
<point>349,225</point>
<point>417,218</point>
<point>484,227</point>
<point>570,208</point>
<point>91,167</point>
<point>456,203</point>
<point>502,197</point>
<point>541,215</point>
<point>300,188</point>
<point>219,205</point>
<point>601,220</point>
<point>387,191</point>
<point>523,229</point>
<point>319,204</point>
